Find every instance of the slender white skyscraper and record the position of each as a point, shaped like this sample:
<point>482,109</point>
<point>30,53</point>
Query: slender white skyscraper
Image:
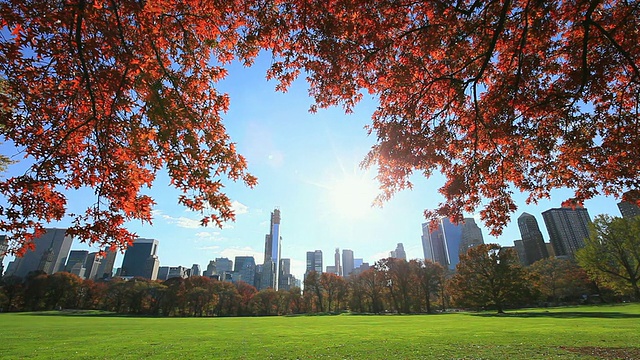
<point>272,244</point>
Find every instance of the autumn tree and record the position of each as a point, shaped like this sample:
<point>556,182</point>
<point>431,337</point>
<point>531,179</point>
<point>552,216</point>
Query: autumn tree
<point>488,275</point>
<point>332,286</point>
<point>559,279</point>
<point>495,95</point>
<point>399,280</point>
<point>612,252</point>
<point>430,276</point>
<point>103,95</point>
<point>373,285</point>
<point>246,292</point>
<point>314,288</point>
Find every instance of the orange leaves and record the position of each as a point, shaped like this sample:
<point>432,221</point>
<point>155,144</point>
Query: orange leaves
<point>107,95</point>
<point>490,93</point>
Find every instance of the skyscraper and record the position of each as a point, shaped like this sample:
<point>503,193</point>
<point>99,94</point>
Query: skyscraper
<point>76,261</point>
<point>50,254</point>
<point>314,261</point>
<point>567,229</point>
<point>534,247</point>
<point>141,259</point>
<point>245,266</point>
<point>195,270</point>
<point>336,257</point>
<point>4,246</point>
<point>91,265</point>
<point>271,265</point>
<point>471,235</point>
<point>105,268</point>
<point>347,262</point>
<point>628,209</point>
<point>399,252</point>
<point>447,241</point>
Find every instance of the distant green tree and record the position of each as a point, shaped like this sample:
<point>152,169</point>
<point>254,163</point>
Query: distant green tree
<point>612,253</point>
<point>489,276</point>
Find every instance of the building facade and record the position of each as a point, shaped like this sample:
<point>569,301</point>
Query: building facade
<point>272,244</point>
<point>50,254</point>
<point>532,241</point>
<point>141,259</point>
<point>567,227</point>
<point>347,262</point>
<point>245,267</point>
<point>628,210</point>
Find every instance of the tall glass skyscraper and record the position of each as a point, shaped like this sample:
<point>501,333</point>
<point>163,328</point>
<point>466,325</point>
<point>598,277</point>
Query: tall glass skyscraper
<point>347,262</point>
<point>272,243</point>
<point>532,241</point>
<point>446,242</point>
<point>141,259</point>
<point>567,229</point>
<point>50,254</point>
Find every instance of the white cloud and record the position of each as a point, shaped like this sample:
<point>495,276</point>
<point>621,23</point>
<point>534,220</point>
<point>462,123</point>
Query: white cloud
<point>183,222</point>
<point>239,208</point>
<point>205,236</point>
<point>213,248</point>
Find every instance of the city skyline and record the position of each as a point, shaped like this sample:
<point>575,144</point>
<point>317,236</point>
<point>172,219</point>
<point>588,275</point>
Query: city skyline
<point>308,165</point>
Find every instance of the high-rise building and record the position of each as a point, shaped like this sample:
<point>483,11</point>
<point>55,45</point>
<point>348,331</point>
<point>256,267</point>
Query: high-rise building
<point>522,255</point>
<point>272,240</point>
<point>628,209</point>
<point>91,265</point>
<point>163,273</point>
<point>347,262</point>
<point>50,254</point>
<point>567,227</point>
<point>141,259</point>
<point>447,241</point>
<point>178,272</point>
<point>4,246</point>
<point>427,248</point>
<point>444,243</point>
<point>76,261</point>
<point>336,257</point>
<point>471,235</point>
<point>399,252</point>
<point>195,270</point>
<point>211,269</point>
<point>357,263</point>
<point>532,240</point>
<point>286,280</point>
<point>314,261</point>
<point>245,267</point>
<point>224,265</point>
<point>105,268</point>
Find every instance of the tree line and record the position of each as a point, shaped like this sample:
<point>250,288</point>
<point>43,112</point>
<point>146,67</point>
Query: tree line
<point>487,276</point>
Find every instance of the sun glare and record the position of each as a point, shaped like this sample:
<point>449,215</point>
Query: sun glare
<point>352,196</point>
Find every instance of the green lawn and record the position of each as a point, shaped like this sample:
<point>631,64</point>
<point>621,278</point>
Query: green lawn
<point>594,332</point>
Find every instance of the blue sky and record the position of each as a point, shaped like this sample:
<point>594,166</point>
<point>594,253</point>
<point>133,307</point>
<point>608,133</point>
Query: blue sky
<point>308,166</point>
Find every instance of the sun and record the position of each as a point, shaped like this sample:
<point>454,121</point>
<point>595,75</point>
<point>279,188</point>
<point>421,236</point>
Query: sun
<point>352,196</point>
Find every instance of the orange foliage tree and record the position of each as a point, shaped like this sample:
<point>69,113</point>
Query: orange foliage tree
<point>103,95</point>
<point>495,95</point>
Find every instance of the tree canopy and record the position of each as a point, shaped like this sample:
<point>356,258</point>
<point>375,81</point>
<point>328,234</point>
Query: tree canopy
<point>612,253</point>
<point>497,96</point>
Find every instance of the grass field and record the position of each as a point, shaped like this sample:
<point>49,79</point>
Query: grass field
<point>594,332</point>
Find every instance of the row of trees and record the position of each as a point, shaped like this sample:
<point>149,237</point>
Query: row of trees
<point>487,276</point>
